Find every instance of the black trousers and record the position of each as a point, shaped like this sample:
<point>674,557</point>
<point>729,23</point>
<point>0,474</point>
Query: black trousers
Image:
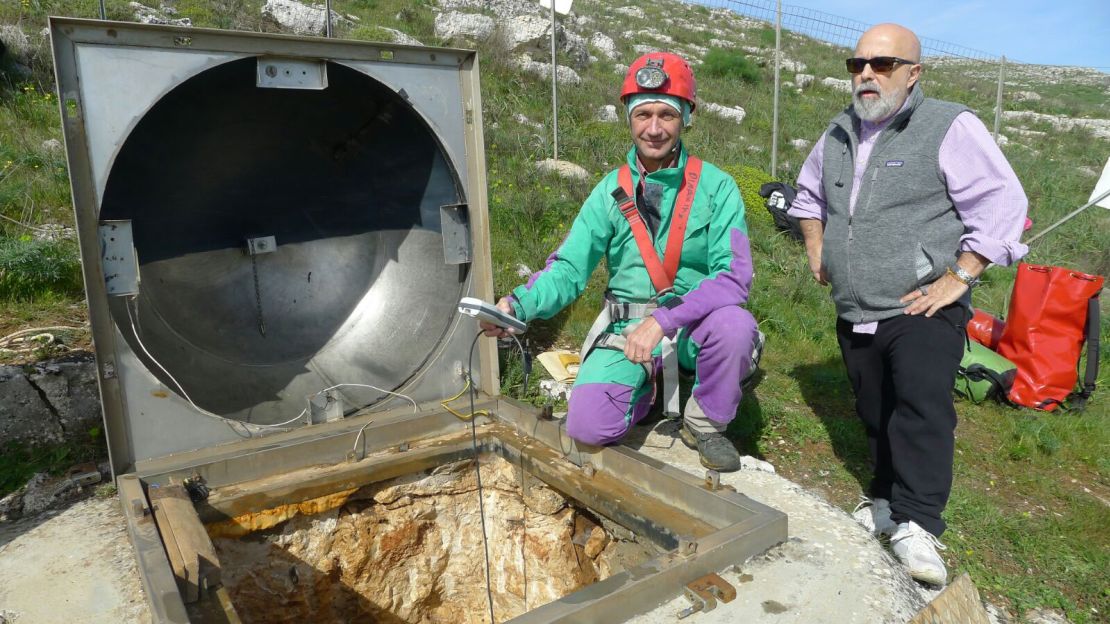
<point>903,376</point>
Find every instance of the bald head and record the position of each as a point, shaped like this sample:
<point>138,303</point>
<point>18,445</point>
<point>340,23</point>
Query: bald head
<point>889,40</point>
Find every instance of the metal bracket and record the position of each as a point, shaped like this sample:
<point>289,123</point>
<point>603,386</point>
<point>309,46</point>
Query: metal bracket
<point>454,224</point>
<point>712,480</point>
<point>687,545</point>
<point>325,407</point>
<point>285,73</point>
<point>118,259</point>
<point>261,245</point>
<point>704,593</point>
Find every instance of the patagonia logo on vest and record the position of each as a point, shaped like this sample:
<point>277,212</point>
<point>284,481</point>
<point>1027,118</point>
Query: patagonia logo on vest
<point>895,163</point>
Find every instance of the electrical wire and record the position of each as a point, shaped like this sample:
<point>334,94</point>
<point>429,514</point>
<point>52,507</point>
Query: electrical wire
<point>134,330</point>
<point>478,473</point>
<point>248,433</point>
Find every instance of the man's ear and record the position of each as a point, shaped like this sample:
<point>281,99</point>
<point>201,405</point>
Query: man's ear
<point>915,74</point>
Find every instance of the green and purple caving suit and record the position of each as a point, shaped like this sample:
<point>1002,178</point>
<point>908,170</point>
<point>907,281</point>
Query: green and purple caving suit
<point>715,334</point>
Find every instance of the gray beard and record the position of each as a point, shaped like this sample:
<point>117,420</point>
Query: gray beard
<point>876,110</point>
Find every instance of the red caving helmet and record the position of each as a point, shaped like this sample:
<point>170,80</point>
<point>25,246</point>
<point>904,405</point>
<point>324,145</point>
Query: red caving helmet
<point>661,72</point>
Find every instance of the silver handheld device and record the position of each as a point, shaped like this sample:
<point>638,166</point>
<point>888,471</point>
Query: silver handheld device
<point>483,311</point>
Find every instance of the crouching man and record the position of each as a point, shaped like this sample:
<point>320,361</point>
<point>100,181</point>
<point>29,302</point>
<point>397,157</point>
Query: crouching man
<point>671,229</point>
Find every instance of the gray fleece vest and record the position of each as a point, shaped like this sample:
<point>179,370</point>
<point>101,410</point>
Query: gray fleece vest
<point>905,231</point>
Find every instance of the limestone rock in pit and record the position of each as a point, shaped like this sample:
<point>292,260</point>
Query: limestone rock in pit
<point>604,45</point>
<point>421,560</point>
<point>607,113</point>
<point>563,169</point>
<point>837,84</point>
<point>732,113</point>
<point>543,500</point>
<point>470,26</point>
<point>299,18</point>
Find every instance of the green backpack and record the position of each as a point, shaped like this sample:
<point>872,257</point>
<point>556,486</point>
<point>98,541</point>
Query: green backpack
<point>984,374</point>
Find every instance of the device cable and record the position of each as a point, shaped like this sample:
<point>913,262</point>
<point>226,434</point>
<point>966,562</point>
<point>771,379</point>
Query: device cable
<point>478,473</point>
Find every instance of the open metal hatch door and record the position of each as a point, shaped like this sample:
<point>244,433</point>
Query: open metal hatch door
<point>262,218</point>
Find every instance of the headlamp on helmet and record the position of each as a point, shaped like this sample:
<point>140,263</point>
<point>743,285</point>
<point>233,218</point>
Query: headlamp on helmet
<point>651,75</point>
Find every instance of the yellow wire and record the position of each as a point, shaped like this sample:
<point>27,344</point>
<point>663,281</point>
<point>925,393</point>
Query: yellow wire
<point>460,415</point>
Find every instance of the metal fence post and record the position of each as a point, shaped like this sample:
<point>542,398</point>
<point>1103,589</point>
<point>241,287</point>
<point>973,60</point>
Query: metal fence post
<point>554,90</point>
<point>775,107</point>
<point>327,19</point>
<point>103,13</point>
<point>998,98</point>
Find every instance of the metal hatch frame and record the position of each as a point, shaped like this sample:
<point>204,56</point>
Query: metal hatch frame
<point>704,527</point>
<point>70,37</point>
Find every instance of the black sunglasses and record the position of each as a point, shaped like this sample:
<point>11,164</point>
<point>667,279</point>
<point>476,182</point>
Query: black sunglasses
<point>879,64</point>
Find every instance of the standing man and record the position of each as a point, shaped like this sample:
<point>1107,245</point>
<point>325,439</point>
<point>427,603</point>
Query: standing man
<point>671,229</point>
<point>904,202</point>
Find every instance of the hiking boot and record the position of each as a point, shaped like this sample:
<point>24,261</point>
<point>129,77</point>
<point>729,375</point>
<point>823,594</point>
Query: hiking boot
<point>917,549</point>
<point>714,449</point>
<point>874,515</point>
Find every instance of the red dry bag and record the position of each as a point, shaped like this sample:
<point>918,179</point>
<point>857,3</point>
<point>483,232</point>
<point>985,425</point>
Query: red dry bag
<point>985,329</point>
<point>1050,315</point>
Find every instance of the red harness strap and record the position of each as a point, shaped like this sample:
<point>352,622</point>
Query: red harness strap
<point>662,274</point>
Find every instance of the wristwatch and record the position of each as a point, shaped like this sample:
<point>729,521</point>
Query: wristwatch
<point>965,278</point>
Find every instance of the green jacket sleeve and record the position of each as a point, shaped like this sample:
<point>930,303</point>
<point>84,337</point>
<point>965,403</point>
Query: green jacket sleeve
<point>568,269</point>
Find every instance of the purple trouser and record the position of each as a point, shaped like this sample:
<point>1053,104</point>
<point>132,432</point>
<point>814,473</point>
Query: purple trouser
<point>611,393</point>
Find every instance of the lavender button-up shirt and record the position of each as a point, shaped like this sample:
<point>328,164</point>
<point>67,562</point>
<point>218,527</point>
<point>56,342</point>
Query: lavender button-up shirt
<point>984,188</point>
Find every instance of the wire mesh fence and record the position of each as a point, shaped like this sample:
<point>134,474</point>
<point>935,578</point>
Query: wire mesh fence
<point>960,63</point>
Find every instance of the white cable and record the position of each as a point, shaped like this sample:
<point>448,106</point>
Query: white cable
<point>181,389</point>
<point>135,332</point>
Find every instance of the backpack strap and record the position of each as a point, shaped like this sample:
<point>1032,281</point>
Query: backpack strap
<point>1078,399</point>
<point>662,274</point>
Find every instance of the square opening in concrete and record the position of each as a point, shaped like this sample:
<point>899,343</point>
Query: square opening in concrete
<point>380,520</point>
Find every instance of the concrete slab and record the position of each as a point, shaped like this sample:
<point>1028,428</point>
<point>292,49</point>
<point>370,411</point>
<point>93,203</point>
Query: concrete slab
<point>77,565</point>
<point>831,570</point>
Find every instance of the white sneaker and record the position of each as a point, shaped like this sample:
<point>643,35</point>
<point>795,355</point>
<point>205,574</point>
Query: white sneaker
<point>874,515</point>
<point>917,549</point>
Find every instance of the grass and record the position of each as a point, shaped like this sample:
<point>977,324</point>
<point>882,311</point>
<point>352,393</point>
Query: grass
<point>730,64</point>
<point>19,462</point>
<point>1029,515</point>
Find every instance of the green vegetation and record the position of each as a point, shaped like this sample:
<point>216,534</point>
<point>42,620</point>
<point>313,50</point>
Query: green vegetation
<point>19,462</point>
<point>730,64</point>
<point>1029,516</point>
<point>34,268</point>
